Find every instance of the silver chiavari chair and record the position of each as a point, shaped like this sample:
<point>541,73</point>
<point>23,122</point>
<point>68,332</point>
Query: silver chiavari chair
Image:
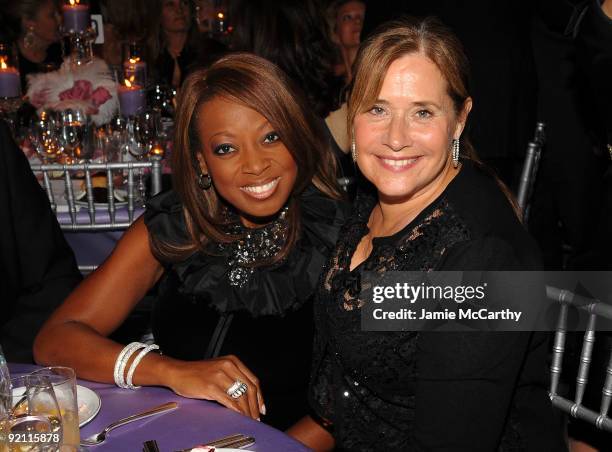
<point>99,219</point>
<point>530,169</point>
<point>575,408</point>
<point>109,216</point>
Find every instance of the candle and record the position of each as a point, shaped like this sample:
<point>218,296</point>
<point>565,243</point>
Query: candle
<point>10,85</point>
<point>76,16</point>
<point>136,70</point>
<point>132,99</point>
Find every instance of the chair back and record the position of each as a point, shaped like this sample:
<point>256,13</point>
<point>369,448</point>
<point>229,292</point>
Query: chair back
<point>530,169</point>
<point>100,216</point>
<point>575,408</point>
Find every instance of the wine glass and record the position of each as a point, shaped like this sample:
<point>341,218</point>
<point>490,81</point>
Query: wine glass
<point>44,137</point>
<point>33,419</point>
<point>145,129</point>
<point>72,126</point>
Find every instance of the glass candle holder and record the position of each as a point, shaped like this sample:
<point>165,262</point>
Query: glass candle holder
<point>10,82</point>
<point>134,66</point>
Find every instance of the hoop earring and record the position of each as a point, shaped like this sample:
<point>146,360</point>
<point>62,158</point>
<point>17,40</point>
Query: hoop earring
<point>204,181</point>
<point>353,149</point>
<point>456,148</point>
<point>29,39</point>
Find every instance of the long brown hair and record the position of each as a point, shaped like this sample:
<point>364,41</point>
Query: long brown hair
<point>260,85</point>
<point>431,38</point>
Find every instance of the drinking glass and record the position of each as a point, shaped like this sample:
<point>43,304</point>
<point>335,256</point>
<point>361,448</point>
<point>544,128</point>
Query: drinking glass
<point>71,130</point>
<point>145,129</point>
<point>44,137</point>
<point>32,420</point>
<point>63,381</point>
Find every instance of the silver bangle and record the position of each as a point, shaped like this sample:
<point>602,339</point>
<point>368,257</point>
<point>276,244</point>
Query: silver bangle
<point>135,363</point>
<point>122,360</point>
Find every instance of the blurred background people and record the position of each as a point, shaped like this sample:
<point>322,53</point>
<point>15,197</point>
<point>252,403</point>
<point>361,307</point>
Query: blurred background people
<point>34,27</point>
<point>345,20</point>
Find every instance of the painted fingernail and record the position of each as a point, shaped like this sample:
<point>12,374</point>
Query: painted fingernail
<point>259,419</point>
<point>263,410</point>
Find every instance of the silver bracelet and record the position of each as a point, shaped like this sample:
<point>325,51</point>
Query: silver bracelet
<point>135,363</point>
<point>122,360</point>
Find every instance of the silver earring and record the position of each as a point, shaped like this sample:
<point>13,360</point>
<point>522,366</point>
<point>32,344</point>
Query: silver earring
<point>353,149</point>
<point>455,153</point>
<point>204,181</point>
<point>28,39</point>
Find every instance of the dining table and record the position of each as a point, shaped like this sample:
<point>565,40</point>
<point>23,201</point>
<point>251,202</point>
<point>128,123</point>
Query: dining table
<point>194,422</point>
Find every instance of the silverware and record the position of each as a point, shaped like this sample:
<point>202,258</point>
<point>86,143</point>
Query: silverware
<point>99,438</point>
<point>150,446</point>
<point>232,441</point>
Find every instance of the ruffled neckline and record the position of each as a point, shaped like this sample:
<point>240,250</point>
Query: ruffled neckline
<point>271,290</point>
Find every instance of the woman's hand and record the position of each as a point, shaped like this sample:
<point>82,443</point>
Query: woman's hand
<point>211,379</point>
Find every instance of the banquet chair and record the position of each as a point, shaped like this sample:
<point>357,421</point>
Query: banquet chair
<point>575,408</point>
<point>87,215</point>
<point>530,169</point>
<point>100,216</point>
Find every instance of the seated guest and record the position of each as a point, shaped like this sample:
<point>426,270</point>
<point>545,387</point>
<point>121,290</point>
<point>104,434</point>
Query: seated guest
<point>33,25</point>
<point>238,248</point>
<point>182,47</point>
<point>292,34</point>
<point>37,265</point>
<point>345,18</point>
<point>432,207</point>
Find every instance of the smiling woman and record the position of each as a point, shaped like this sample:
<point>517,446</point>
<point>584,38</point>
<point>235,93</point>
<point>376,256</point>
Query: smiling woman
<point>431,207</point>
<point>237,246</point>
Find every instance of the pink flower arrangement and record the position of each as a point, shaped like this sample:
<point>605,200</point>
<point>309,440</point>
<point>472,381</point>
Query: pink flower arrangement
<point>89,88</point>
<point>83,90</point>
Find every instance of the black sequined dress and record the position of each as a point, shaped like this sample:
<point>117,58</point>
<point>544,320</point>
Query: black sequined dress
<point>410,391</point>
<point>266,321</point>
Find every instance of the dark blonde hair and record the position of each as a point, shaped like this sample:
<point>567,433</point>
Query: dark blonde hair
<point>437,42</point>
<point>260,85</point>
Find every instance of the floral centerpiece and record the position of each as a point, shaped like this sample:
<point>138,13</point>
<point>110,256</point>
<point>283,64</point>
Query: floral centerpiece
<point>89,88</point>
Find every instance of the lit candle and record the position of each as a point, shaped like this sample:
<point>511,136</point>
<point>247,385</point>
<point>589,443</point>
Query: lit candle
<point>10,85</point>
<point>135,69</point>
<point>76,16</point>
<point>132,99</point>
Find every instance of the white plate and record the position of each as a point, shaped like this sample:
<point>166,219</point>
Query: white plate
<point>89,404</point>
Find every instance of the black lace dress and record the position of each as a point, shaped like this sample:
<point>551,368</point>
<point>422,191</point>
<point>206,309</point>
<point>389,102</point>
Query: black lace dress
<point>410,391</point>
<point>265,320</point>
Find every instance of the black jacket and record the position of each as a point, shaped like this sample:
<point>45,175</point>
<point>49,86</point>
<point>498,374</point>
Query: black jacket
<point>37,267</point>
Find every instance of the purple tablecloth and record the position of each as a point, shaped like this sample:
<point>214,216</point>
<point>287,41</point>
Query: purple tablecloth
<point>194,422</point>
<point>92,248</point>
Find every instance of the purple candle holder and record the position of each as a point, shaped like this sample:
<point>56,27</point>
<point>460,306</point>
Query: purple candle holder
<point>10,84</point>
<point>132,100</point>
<point>76,18</point>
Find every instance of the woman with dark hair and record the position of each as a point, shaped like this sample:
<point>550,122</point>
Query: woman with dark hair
<point>432,207</point>
<point>181,46</point>
<point>291,34</point>
<point>33,26</point>
<point>238,247</point>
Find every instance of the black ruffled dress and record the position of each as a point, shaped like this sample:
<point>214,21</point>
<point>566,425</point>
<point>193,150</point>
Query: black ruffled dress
<point>266,321</point>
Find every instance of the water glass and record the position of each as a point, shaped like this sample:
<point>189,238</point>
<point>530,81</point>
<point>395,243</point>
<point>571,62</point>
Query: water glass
<point>63,381</point>
<point>32,419</point>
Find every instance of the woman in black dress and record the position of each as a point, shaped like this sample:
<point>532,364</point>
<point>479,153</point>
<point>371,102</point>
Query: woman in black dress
<point>238,247</point>
<point>432,207</point>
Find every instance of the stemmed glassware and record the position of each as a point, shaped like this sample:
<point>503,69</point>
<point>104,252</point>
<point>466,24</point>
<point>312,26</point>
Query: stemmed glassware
<point>44,137</point>
<point>145,128</point>
<point>72,124</point>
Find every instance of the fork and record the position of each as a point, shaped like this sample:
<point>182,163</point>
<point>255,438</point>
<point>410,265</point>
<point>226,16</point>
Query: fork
<point>99,438</point>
